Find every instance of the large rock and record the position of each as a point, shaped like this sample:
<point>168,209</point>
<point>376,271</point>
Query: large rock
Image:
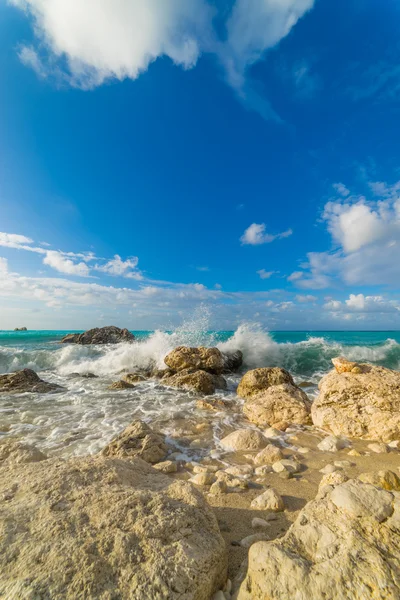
<point>26,381</point>
<point>196,380</point>
<point>244,439</point>
<point>137,440</point>
<point>279,406</point>
<point>232,361</point>
<point>104,529</point>
<point>206,359</point>
<point>343,545</point>
<point>361,405</point>
<point>99,335</point>
<point>259,380</point>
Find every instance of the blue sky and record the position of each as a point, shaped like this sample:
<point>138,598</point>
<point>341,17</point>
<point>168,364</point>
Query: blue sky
<point>160,156</point>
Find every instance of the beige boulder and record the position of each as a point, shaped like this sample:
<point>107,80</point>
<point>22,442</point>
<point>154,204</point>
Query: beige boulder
<point>279,406</point>
<point>259,380</point>
<point>268,455</point>
<point>100,529</point>
<point>269,500</point>
<point>196,380</point>
<point>26,380</point>
<point>244,439</point>
<point>386,480</point>
<point>342,365</point>
<point>206,359</point>
<point>343,545</point>
<point>360,405</point>
<point>137,440</point>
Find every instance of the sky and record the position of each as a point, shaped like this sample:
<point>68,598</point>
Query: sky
<point>163,157</point>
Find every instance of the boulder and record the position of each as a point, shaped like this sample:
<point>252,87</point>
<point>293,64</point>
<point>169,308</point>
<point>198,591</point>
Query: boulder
<point>360,405</point>
<point>120,385</point>
<point>232,361</point>
<point>99,335</point>
<point>244,439</point>
<point>387,480</point>
<point>206,359</point>
<point>99,528</point>
<point>138,439</point>
<point>259,380</point>
<point>279,406</point>
<point>268,456</point>
<point>268,500</point>
<point>26,381</point>
<point>342,365</point>
<point>196,380</point>
<point>344,545</point>
<point>133,378</point>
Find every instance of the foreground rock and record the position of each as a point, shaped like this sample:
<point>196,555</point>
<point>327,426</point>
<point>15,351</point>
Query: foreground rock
<point>137,440</point>
<point>364,405</point>
<point>206,359</point>
<point>26,381</point>
<point>101,529</point>
<point>345,544</point>
<point>196,380</point>
<point>244,439</point>
<point>273,399</point>
<point>99,335</point>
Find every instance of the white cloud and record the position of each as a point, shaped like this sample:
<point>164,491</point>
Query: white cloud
<point>120,268</point>
<point>256,235</point>
<point>295,276</point>
<point>14,240</point>
<point>57,261</point>
<point>359,303</point>
<point>265,274</point>
<point>305,299</point>
<point>3,266</point>
<point>203,269</point>
<point>103,39</point>
<point>341,189</point>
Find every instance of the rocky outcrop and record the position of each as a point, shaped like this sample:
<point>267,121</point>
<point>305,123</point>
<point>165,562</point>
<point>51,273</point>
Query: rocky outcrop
<point>232,361</point>
<point>14,453</point>
<point>26,381</point>
<point>345,544</point>
<point>20,329</point>
<point>100,528</point>
<point>99,335</point>
<point>361,405</point>
<point>259,381</point>
<point>133,378</point>
<point>206,359</point>
<point>279,406</point>
<point>137,440</point>
<point>196,380</point>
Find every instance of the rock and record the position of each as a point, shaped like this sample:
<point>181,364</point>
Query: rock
<point>219,595</point>
<point>243,439</point>
<point>257,523</point>
<point>386,480</point>
<point>120,385</point>
<point>133,378</point>
<point>99,335</point>
<point>100,528</point>
<point>360,405</point>
<point>379,448</point>
<point>252,539</point>
<point>286,464</point>
<point>279,406</point>
<point>20,329</point>
<point>271,432</point>
<point>269,500</point>
<point>263,470</point>
<point>218,487</point>
<point>203,479</point>
<point>285,474</point>
<point>167,466</point>
<point>232,361</point>
<point>213,404</point>
<point>14,453</point>
<point>137,440</point>
<point>161,373</point>
<point>329,469</point>
<point>259,380</point>
<point>198,381</point>
<point>342,365</point>
<point>205,469</point>
<point>240,470</point>
<point>26,381</point>
<point>331,553</point>
<point>332,479</point>
<point>332,443</point>
<point>205,359</point>
<point>353,452</point>
<point>268,456</point>
<point>363,500</point>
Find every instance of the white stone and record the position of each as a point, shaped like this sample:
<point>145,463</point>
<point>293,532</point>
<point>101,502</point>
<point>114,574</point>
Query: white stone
<point>269,500</point>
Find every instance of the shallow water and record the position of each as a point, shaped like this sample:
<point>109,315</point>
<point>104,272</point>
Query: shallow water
<point>84,417</point>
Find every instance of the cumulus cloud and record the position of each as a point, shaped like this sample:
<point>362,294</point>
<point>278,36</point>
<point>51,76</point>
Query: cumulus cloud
<point>120,268</point>
<point>57,261</point>
<point>305,299</point>
<point>263,274</point>
<point>359,303</point>
<point>256,235</point>
<point>295,276</point>
<point>99,39</point>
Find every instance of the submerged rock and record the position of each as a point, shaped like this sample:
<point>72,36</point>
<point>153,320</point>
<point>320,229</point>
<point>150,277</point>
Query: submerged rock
<point>361,405</point>
<point>206,359</point>
<point>100,528</point>
<point>137,440</point>
<point>279,406</point>
<point>345,544</point>
<point>26,381</point>
<point>196,380</point>
<point>99,335</point>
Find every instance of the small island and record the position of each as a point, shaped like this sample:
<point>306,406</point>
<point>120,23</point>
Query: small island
<point>20,329</point>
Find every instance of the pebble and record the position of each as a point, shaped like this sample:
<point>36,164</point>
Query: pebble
<point>303,450</point>
<point>379,448</point>
<point>218,488</point>
<point>394,444</point>
<point>259,523</point>
<point>219,595</point>
<point>240,470</point>
<point>343,464</point>
<point>285,475</point>
<point>354,453</point>
<point>167,466</point>
<point>269,500</point>
<point>328,469</point>
<point>263,470</point>
<point>271,432</point>
<point>286,465</point>
<point>252,539</point>
<point>205,469</point>
<point>332,443</point>
<point>228,586</point>
<point>203,479</point>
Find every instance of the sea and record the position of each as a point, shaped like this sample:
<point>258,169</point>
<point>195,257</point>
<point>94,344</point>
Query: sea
<point>84,417</point>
